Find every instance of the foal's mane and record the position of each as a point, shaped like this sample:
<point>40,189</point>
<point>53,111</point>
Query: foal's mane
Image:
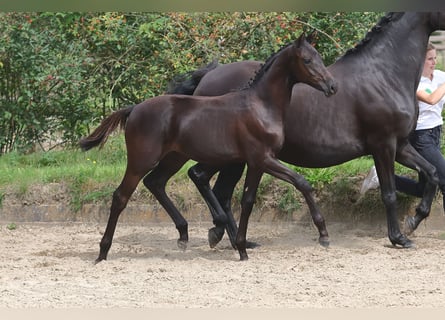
<point>384,21</point>
<point>265,66</point>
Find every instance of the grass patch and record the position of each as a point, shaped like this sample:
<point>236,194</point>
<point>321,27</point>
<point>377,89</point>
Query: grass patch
<point>90,176</point>
<point>93,176</point>
<point>11,226</point>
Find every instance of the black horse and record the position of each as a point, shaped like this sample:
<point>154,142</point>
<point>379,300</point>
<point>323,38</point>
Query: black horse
<point>166,131</point>
<point>373,113</point>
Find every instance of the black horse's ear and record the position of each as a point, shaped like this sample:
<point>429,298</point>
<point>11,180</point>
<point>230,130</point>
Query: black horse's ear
<point>311,37</point>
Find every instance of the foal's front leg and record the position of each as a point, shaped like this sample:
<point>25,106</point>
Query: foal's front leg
<point>280,171</point>
<point>253,177</point>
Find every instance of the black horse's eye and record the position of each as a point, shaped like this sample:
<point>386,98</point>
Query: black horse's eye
<point>306,60</point>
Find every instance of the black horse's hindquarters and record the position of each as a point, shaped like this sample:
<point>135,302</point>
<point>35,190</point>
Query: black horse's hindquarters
<point>340,125</point>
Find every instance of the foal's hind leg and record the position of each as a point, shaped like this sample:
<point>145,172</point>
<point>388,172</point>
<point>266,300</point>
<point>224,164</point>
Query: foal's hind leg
<point>409,157</point>
<point>120,199</point>
<point>156,181</point>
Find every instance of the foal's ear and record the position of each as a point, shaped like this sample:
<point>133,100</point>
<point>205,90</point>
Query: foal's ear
<point>300,40</point>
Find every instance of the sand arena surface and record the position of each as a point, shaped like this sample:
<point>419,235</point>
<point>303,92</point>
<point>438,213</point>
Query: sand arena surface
<point>51,265</point>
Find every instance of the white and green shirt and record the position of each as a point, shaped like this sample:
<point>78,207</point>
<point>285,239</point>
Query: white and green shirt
<point>430,116</point>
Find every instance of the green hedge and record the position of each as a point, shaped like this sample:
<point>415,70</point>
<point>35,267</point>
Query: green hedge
<point>61,72</point>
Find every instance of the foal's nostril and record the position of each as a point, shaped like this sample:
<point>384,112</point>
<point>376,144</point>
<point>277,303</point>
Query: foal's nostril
<point>333,87</point>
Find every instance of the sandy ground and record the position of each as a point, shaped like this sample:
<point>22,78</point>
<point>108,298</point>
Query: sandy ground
<point>47,265</point>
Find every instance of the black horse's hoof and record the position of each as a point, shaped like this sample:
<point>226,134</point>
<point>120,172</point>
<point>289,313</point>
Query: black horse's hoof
<point>182,244</point>
<point>324,242</point>
<point>409,225</point>
<point>403,241</point>
<point>252,245</point>
<point>243,256</point>
<point>215,235</point>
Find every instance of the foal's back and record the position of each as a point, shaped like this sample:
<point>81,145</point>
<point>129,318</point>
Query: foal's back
<point>208,129</point>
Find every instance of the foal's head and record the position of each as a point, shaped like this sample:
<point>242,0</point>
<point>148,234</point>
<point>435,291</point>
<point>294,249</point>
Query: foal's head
<point>308,67</point>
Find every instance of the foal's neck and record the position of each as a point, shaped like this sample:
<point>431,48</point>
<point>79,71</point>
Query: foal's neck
<point>275,86</point>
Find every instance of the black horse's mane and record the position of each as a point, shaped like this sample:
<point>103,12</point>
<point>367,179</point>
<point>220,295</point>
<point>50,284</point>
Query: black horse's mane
<point>384,21</point>
<point>264,67</point>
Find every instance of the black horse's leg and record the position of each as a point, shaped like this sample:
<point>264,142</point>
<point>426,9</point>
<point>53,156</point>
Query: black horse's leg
<point>409,157</point>
<point>384,164</point>
<point>120,199</point>
<point>280,171</point>
<point>253,177</point>
<point>200,174</point>
<point>223,189</point>
<point>156,182</point>
<point>219,199</point>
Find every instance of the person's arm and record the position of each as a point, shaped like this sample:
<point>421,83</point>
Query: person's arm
<point>433,97</point>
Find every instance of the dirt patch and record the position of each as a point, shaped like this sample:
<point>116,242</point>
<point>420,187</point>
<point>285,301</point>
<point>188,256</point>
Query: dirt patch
<point>51,265</point>
<point>48,261</point>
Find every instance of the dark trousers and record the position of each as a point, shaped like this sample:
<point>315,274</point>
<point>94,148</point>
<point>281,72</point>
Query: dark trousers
<point>427,143</point>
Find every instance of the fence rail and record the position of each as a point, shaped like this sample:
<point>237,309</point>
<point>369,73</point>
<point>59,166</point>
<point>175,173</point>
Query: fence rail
<point>438,40</point>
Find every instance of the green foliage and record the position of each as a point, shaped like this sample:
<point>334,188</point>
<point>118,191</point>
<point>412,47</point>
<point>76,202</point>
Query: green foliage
<point>317,177</point>
<point>61,72</point>
<point>41,87</point>
<point>288,203</point>
<point>340,31</point>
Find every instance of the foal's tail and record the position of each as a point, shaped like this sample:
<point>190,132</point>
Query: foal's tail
<point>186,83</point>
<point>107,126</point>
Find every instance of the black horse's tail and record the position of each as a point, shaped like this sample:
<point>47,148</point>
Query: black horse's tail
<point>107,126</point>
<point>186,83</point>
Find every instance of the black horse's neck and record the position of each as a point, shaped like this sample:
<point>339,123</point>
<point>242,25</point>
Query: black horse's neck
<point>401,37</point>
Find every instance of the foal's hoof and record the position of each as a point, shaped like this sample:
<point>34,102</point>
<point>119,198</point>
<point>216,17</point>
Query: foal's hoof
<point>324,242</point>
<point>402,241</point>
<point>215,235</point>
<point>182,244</point>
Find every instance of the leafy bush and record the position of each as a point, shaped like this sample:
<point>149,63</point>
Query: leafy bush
<point>61,72</point>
